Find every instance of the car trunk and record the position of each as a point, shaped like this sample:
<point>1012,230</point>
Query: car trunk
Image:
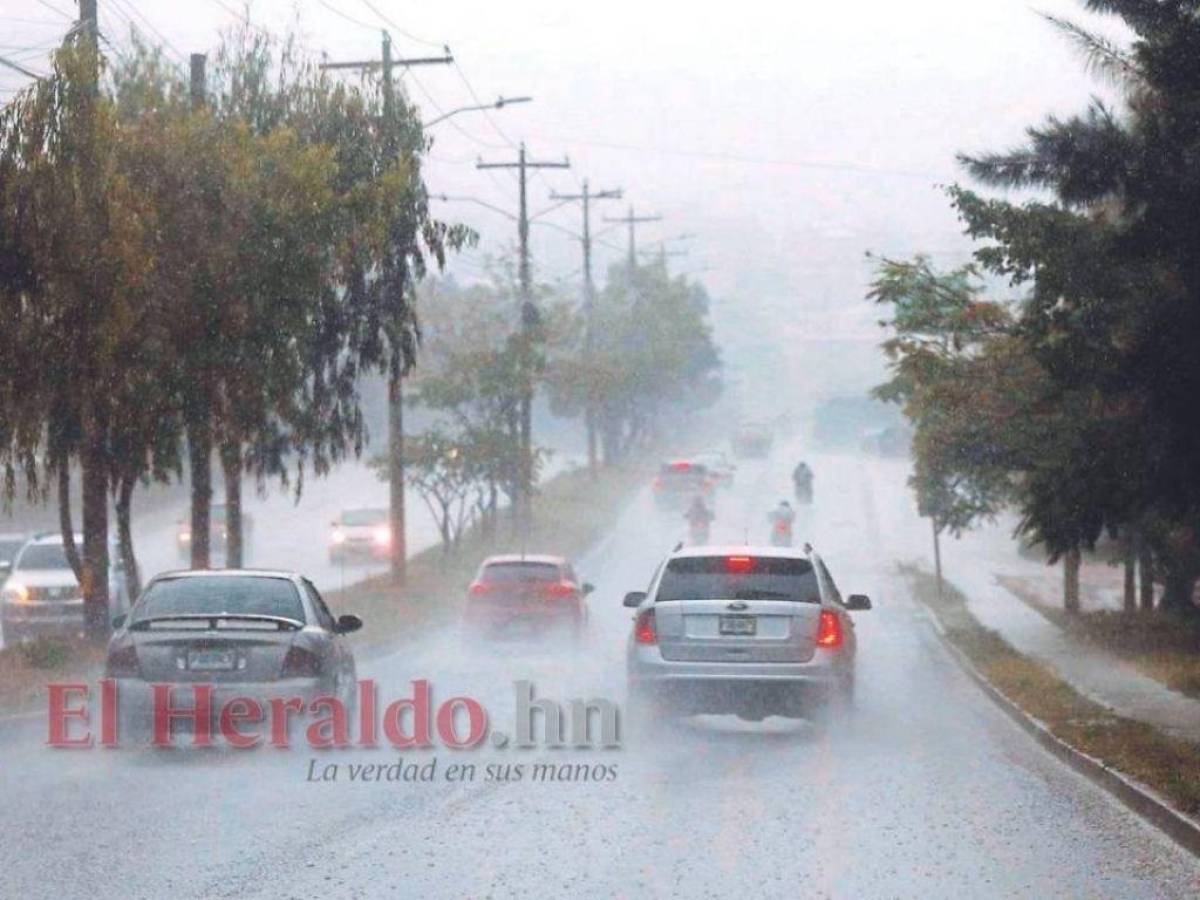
<point>750,631</point>
<point>208,655</point>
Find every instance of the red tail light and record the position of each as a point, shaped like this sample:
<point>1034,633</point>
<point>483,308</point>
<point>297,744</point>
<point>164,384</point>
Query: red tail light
<point>479,588</point>
<point>645,630</point>
<point>681,467</point>
<point>123,663</point>
<point>301,663</point>
<point>558,590</point>
<point>739,564</point>
<point>829,631</point>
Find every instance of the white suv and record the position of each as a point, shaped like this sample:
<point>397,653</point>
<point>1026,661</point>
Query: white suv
<point>753,631</point>
<point>42,597</point>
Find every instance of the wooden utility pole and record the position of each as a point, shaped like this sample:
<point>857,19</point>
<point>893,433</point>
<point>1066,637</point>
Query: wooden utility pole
<point>585,197</point>
<point>633,221</point>
<point>396,519</point>
<point>530,319</point>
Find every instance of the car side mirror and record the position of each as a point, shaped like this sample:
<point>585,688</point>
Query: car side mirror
<point>634,599</point>
<point>118,621</point>
<point>348,623</point>
<point>858,603</point>
<point>588,587</point>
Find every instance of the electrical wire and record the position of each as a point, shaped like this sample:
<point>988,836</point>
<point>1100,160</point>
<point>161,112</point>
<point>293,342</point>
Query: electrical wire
<point>408,34</point>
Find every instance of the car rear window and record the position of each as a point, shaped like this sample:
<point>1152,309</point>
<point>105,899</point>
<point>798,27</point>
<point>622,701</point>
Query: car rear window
<point>519,572</point>
<point>234,595</point>
<point>43,556</point>
<point>738,578</point>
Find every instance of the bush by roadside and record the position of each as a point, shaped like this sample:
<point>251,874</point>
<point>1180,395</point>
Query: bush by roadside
<point>1163,646</point>
<point>1166,765</point>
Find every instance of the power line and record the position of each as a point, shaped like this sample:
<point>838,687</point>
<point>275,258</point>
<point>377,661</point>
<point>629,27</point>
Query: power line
<point>408,34</point>
<point>345,15</point>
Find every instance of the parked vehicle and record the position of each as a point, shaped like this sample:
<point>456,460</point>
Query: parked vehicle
<point>42,597</point>
<point>526,595</point>
<point>753,631</point>
<point>10,545</point>
<point>753,440</point>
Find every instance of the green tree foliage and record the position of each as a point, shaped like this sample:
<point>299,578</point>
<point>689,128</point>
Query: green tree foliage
<point>654,360</point>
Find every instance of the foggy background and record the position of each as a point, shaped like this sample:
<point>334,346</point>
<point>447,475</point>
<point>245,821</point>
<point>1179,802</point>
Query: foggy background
<point>788,139</point>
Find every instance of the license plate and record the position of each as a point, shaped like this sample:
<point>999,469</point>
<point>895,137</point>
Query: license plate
<point>739,625</point>
<point>210,660</point>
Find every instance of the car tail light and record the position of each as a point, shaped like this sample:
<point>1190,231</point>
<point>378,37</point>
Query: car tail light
<point>301,663</point>
<point>645,629</point>
<point>479,588</point>
<point>739,564</point>
<point>657,483</point>
<point>829,631</point>
<point>558,590</point>
<point>123,663</point>
<point>681,467</point>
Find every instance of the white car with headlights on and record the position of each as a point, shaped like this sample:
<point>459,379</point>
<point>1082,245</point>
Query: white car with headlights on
<point>752,631</point>
<point>360,535</point>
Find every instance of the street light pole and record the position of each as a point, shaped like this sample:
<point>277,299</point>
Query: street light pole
<point>500,103</point>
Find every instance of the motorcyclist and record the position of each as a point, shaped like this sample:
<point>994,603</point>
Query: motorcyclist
<point>802,480</point>
<point>699,517</point>
<point>782,518</point>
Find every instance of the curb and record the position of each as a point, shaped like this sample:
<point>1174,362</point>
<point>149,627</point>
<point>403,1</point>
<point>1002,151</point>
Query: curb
<point>1182,829</point>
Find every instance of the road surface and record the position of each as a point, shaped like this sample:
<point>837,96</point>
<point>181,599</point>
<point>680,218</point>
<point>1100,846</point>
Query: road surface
<point>925,790</point>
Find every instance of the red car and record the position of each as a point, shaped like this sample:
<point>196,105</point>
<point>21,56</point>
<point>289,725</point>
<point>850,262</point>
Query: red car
<point>523,595</point>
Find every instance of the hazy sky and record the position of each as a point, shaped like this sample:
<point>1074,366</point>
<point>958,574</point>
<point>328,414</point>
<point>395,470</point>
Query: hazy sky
<point>788,138</point>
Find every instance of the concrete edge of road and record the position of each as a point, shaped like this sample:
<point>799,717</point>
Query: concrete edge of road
<point>1140,799</point>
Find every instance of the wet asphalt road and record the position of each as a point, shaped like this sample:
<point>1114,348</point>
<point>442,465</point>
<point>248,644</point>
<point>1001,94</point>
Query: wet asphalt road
<point>925,790</point>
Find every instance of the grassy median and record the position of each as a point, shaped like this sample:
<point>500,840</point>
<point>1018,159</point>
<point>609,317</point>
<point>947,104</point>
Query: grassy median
<point>1165,764</point>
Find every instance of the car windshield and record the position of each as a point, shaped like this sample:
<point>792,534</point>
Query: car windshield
<point>235,595</point>
<point>743,578</point>
<point>43,556</point>
<point>519,572</point>
<point>364,517</point>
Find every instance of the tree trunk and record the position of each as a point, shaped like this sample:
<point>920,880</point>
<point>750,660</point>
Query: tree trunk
<point>1071,563</point>
<point>95,540</point>
<point>398,548</point>
<point>200,444</point>
<point>1130,564</point>
<point>1145,561</point>
<point>65,525</point>
<point>231,467</point>
<point>1177,592</point>
<point>937,557</point>
<point>124,508</point>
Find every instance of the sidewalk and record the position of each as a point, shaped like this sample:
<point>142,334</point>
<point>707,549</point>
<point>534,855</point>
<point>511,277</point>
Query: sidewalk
<point>973,565</point>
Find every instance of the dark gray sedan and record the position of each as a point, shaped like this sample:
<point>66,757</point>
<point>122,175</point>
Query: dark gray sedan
<point>244,633</point>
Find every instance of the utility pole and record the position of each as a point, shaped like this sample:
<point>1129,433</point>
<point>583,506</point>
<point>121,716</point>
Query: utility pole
<point>585,197</point>
<point>198,79</point>
<point>396,518</point>
<point>633,221</point>
<point>529,322</point>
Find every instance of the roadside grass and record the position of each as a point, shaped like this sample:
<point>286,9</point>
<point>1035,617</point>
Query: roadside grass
<point>1161,646</point>
<point>571,512</point>
<point>1165,764</point>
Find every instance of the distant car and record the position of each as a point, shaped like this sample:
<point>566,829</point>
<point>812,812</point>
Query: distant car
<point>720,467</point>
<point>525,595</point>
<point>42,596</point>
<point>360,534</point>
<point>10,545</point>
<point>218,532</point>
<point>752,441</point>
<point>248,632</point>
<point>752,631</point>
<point>680,481</point>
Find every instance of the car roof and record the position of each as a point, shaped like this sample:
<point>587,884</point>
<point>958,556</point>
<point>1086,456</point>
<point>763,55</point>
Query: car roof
<point>740,550</point>
<point>217,573</point>
<point>54,538</point>
<point>543,558</point>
